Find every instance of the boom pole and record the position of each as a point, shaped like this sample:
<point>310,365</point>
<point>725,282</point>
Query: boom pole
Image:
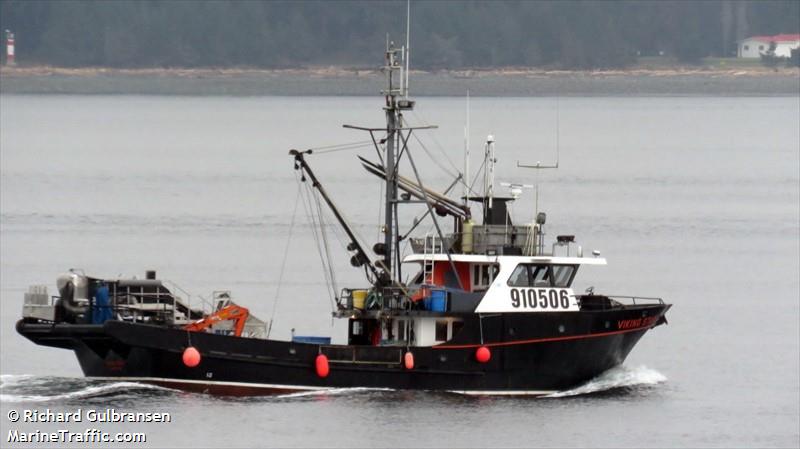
<point>361,255</point>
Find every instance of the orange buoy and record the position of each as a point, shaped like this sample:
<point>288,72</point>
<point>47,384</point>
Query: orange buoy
<point>408,360</point>
<point>191,357</point>
<point>322,366</point>
<point>483,354</point>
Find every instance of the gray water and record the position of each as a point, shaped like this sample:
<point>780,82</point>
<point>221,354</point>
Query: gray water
<point>691,199</point>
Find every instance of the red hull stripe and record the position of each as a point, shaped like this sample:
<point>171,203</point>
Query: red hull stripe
<point>544,340</point>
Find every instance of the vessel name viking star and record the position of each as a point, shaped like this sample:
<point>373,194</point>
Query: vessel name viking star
<point>490,310</point>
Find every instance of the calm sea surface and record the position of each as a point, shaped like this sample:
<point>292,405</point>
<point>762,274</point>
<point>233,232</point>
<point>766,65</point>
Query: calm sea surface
<point>691,199</point>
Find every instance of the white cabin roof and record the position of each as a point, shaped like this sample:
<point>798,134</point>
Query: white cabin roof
<point>483,258</point>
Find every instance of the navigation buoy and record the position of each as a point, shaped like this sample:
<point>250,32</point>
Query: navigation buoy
<point>322,366</point>
<point>483,354</point>
<point>408,360</point>
<point>191,357</point>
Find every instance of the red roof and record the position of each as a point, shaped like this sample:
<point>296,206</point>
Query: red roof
<point>776,38</point>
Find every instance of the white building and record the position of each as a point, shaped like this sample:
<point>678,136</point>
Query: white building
<point>752,47</point>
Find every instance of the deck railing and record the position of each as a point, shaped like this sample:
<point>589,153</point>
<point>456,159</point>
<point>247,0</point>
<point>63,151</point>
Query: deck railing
<point>604,302</point>
<point>633,299</point>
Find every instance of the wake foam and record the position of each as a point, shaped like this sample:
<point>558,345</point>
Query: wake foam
<point>29,388</point>
<point>22,388</point>
<point>615,378</point>
<point>331,392</point>
<point>10,380</point>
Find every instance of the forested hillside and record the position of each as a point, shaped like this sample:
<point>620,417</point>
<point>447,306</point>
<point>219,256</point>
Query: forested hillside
<point>445,34</point>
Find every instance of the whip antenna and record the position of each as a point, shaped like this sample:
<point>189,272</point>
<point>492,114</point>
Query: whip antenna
<point>407,53</point>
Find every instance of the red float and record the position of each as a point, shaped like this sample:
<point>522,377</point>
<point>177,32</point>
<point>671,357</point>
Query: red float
<point>408,360</point>
<point>483,354</point>
<point>322,366</point>
<point>191,357</point>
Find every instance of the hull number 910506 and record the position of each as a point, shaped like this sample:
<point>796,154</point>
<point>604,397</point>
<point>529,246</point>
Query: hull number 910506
<point>540,298</point>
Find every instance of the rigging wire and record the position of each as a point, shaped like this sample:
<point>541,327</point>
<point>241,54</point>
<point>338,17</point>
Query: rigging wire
<point>477,173</point>
<point>435,140</point>
<point>341,147</point>
<point>309,208</point>
<point>435,161</point>
<point>331,275</point>
<point>315,213</point>
<point>462,181</point>
<point>285,257</point>
<point>405,122</point>
<point>342,238</point>
<point>380,210</point>
<point>318,225</point>
<point>338,233</point>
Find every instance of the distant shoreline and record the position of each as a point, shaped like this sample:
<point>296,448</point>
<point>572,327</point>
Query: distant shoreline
<point>314,81</point>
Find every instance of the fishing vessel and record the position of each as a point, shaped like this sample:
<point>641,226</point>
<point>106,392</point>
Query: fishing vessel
<point>488,307</point>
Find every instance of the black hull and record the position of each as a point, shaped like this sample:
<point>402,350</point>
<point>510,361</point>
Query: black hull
<point>534,353</point>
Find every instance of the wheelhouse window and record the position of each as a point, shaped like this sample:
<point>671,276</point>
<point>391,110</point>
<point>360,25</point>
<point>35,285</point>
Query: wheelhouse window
<point>483,275</point>
<point>533,275</point>
<point>562,275</point>
<point>519,278</point>
<point>540,275</point>
<point>441,330</point>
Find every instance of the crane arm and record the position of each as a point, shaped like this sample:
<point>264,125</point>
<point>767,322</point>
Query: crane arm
<point>233,312</point>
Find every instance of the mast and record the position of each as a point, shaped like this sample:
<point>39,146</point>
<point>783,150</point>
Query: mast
<point>466,156</point>
<point>392,143</point>
<point>489,172</point>
<point>396,146</point>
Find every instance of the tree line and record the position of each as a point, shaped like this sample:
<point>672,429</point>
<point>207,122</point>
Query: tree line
<point>444,34</point>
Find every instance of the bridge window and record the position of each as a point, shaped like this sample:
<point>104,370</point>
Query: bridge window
<point>519,278</point>
<point>483,275</point>
<point>540,275</point>
<point>532,275</point>
<point>562,275</point>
